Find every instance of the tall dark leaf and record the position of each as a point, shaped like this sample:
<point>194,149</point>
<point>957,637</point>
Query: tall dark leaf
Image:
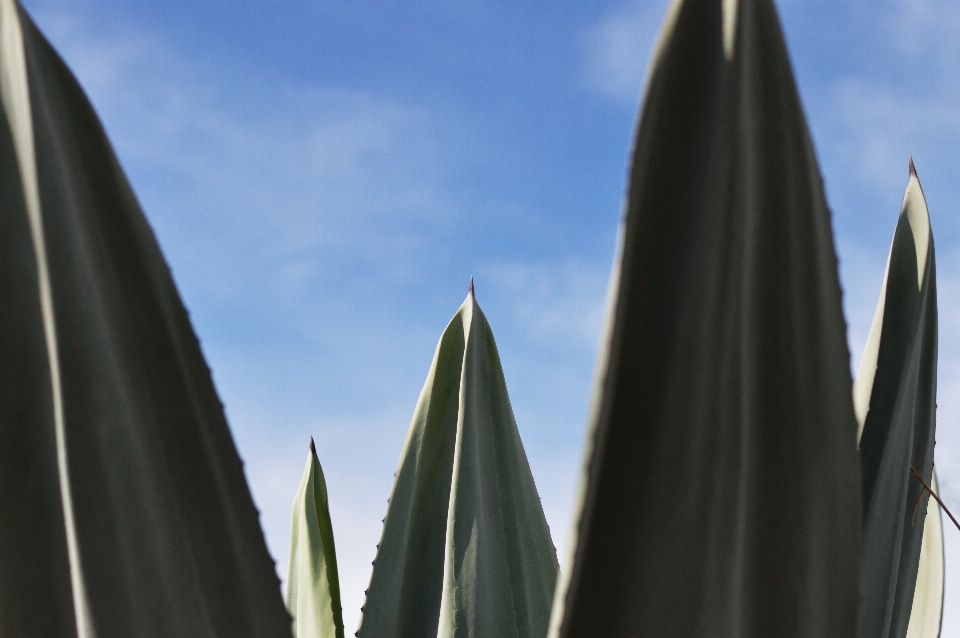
<point>125,508</point>
<point>895,395</point>
<point>721,493</point>
<point>465,549</point>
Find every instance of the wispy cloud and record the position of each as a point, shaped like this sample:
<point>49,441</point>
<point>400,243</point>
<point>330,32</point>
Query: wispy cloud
<point>272,171</point>
<point>617,49</point>
<point>918,27</point>
<point>555,302</point>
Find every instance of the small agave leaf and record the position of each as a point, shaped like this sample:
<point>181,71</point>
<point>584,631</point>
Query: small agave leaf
<point>720,494</point>
<point>465,550</point>
<point>926,613</point>
<point>125,507</point>
<point>895,394</point>
<point>313,586</point>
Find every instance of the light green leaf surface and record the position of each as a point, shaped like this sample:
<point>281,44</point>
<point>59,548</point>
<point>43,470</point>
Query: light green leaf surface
<point>465,550</point>
<point>313,585</point>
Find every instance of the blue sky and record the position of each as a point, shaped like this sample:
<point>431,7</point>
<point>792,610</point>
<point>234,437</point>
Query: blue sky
<point>324,178</point>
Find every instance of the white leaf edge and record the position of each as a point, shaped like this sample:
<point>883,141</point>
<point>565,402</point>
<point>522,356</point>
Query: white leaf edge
<point>926,615</point>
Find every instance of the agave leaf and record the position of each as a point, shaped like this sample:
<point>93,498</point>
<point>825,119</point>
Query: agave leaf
<point>313,585</point>
<point>720,494</point>
<point>465,548</point>
<point>125,508</point>
<point>895,394</point>
<point>926,613</point>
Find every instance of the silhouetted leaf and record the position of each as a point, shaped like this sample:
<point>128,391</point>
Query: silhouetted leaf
<point>721,486</point>
<point>125,508</point>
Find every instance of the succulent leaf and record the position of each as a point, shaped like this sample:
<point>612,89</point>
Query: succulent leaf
<point>895,393</point>
<point>720,494</point>
<point>466,549</point>
<point>313,584</point>
<point>125,507</point>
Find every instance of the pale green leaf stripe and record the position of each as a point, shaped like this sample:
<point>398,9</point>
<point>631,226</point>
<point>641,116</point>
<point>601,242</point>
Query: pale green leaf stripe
<point>926,614</point>
<point>465,550</point>
<point>15,92</point>
<point>313,585</point>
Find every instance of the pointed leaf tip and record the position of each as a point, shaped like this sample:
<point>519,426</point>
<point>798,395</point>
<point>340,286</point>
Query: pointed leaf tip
<point>670,361</point>
<point>463,480</point>
<point>470,290</point>
<point>913,169</point>
<point>205,546</point>
<point>313,582</point>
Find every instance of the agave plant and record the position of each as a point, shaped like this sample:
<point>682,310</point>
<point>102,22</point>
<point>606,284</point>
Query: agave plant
<point>721,483</point>
<point>125,508</point>
<point>465,548</point>
<point>313,585</point>
<point>895,400</point>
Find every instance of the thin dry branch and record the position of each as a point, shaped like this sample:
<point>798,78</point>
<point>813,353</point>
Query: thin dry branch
<point>926,487</point>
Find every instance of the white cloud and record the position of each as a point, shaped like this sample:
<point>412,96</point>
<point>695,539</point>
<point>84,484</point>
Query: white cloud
<point>914,27</point>
<point>873,127</point>
<point>264,172</point>
<point>617,49</point>
<point>554,302</point>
